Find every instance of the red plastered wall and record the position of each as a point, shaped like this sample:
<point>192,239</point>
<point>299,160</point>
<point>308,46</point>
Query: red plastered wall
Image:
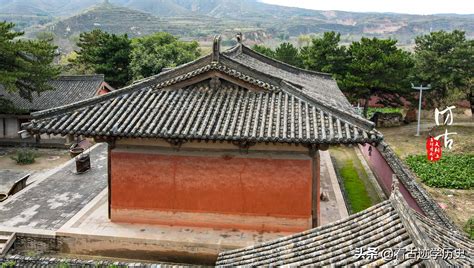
<point>211,184</point>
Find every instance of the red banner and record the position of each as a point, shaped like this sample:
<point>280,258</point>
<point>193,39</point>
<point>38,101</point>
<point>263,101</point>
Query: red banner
<point>433,149</point>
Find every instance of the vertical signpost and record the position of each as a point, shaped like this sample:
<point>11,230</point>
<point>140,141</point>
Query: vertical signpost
<point>420,88</point>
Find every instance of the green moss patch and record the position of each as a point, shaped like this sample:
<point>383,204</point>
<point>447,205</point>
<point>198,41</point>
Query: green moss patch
<point>355,188</point>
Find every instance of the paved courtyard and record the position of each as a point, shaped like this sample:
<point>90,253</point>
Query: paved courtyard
<point>50,202</point>
<point>74,206</point>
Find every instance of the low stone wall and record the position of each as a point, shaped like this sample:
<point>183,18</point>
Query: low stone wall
<point>387,119</point>
<point>34,244</point>
<point>140,249</point>
<point>40,246</point>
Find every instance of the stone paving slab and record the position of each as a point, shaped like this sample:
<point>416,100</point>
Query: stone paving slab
<point>8,178</point>
<point>51,202</point>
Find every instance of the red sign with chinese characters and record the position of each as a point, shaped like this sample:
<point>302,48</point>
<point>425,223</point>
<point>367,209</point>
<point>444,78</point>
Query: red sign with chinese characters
<point>433,149</point>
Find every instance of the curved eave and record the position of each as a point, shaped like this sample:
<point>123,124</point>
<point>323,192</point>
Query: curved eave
<point>370,138</point>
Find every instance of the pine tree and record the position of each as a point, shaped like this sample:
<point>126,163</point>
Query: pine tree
<point>25,65</point>
<point>377,68</point>
<point>106,54</point>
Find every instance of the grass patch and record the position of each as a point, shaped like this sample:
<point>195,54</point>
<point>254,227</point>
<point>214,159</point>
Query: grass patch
<point>454,171</point>
<point>355,188</point>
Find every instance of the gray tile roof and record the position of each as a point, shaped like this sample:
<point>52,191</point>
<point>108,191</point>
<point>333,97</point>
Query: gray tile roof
<point>67,89</point>
<point>319,86</point>
<point>245,104</point>
<point>48,262</point>
<point>387,226</point>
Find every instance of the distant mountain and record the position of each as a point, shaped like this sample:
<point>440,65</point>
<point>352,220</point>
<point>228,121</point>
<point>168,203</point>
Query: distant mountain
<point>285,22</point>
<point>54,8</point>
<point>200,19</point>
<point>110,18</point>
<point>162,8</point>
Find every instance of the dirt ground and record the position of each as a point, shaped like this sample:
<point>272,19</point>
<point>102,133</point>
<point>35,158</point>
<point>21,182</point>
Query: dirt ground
<point>458,204</point>
<point>47,159</point>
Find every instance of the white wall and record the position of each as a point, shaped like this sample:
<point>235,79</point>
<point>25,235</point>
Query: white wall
<point>11,128</point>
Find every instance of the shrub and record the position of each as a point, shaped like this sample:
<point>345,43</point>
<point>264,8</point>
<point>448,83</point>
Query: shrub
<point>24,156</point>
<point>385,110</point>
<point>8,264</point>
<point>451,171</point>
<point>469,228</point>
<point>63,265</point>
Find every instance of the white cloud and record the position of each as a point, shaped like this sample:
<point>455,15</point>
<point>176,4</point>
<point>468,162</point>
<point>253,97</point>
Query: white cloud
<point>397,6</point>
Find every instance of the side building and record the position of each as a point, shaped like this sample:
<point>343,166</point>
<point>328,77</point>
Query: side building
<point>66,90</point>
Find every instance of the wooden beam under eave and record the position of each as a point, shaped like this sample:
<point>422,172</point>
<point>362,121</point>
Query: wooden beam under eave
<point>315,190</point>
<point>323,147</point>
<point>110,146</point>
<point>109,181</point>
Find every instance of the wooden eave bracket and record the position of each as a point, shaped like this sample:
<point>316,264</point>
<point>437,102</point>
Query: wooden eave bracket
<point>176,143</point>
<point>244,145</point>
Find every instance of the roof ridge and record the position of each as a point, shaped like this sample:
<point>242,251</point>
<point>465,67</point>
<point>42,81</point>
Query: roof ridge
<point>279,64</point>
<point>78,76</point>
<point>218,66</point>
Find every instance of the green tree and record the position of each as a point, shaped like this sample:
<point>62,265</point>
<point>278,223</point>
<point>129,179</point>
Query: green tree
<point>25,65</point>
<point>304,40</point>
<point>45,35</point>
<point>105,53</point>
<point>464,55</point>
<point>264,50</point>
<point>325,55</point>
<point>288,53</point>
<point>377,67</point>
<point>152,53</point>
<point>69,65</point>
<point>445,60</point>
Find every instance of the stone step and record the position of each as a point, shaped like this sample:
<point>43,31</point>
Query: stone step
<point>6,241</point>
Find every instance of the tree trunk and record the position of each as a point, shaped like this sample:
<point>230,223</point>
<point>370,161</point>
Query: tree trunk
<point>471,100</point>
<point>366,105</point>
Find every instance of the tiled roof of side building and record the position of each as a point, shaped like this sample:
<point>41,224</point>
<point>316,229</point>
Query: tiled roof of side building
<point>211,100</point>
<point>66,89</point>
<point>427,204</point>
<point>385,227</point>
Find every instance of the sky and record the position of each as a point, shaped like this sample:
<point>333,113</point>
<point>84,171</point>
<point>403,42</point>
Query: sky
<point>423,7</point>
